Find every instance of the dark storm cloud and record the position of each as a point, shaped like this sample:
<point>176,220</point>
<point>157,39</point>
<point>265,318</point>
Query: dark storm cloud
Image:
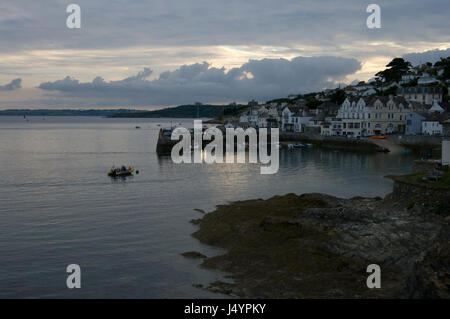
<point>121,36</point>
<point>122,23</point>
<point>12,86</point>
<point>260,79</point>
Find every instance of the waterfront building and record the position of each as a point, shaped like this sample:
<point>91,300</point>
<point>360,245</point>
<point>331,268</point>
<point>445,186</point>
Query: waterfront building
<point>355,114</point>
<point>414,123</point>
<point>287,119</point>
<point>432,125</point>
<point>331,127</point>
<point>388,115</point>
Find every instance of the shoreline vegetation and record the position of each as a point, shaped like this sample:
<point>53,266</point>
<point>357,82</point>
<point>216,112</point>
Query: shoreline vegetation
<point>182,111</point>
<point>319,246</point>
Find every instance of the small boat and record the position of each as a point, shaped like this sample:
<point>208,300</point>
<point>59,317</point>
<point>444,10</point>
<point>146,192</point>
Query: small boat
<point>378,137</point>
<point>298,145</point>
<point>382,150</point>
<point>309,145</point>
<point>138,127</point>
<point>119,172</point>
<point>406,151</point>
<point>290,146</point>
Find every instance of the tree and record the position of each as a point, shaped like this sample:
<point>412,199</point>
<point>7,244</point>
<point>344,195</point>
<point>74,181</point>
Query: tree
<point>395,69</point>
<point>338,96</point>
<point>313,103</point>
<point>391,91</point>
<point>445,63</point>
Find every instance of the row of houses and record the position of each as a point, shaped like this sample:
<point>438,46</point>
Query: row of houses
<point>385,115</point>
<point>356,117</point>
<point>427,123</point>
<point>421,83</point>
<point>422,93</point>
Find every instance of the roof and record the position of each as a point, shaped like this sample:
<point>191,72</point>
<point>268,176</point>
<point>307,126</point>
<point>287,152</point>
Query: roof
<point>436,107</point>
<point>371,100</point>
<point>437,117</point>
<point>400,99</point>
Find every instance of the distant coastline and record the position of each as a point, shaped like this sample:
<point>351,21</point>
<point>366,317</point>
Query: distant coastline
<point>182,111</point>
<point>61,112</point>
<point>187,111</point>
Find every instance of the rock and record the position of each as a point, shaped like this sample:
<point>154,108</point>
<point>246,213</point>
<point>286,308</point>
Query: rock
<point>319,246</point>
<point>196,221</point>
<point>193,255</point>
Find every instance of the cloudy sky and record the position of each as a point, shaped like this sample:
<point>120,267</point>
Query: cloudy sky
<point>151,53</point>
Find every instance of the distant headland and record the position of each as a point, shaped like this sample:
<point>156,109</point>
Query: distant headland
<point>183,111</point>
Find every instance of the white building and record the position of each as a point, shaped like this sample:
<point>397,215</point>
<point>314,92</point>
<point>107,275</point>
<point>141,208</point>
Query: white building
<point>287,120</point>
<point>432,126</point>
<point>354,114</point>
<point>331,127</point>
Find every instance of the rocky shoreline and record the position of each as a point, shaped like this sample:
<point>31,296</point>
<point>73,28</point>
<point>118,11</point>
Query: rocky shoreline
<point>319,246</point>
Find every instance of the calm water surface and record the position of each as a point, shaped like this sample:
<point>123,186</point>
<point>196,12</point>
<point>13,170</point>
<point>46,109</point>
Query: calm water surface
<point>58,207</point>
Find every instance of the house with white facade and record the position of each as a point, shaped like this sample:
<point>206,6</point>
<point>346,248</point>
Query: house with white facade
<point>287,119</point>
<point>432,125</point>
<point>302,120</point>
<point>354,114</point>
<point>295,119</point>
<point>366,116</point>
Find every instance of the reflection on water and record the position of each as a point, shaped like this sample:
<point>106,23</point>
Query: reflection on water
<point>58,206</point>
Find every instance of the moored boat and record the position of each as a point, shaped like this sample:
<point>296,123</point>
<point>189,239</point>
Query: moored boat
<point>119,172</point>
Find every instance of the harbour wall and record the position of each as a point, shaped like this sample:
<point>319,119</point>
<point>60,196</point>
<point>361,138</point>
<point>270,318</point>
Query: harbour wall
<point>331,141</point>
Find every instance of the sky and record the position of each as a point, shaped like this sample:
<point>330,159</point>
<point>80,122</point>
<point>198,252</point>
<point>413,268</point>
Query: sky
<point>146,54</point>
